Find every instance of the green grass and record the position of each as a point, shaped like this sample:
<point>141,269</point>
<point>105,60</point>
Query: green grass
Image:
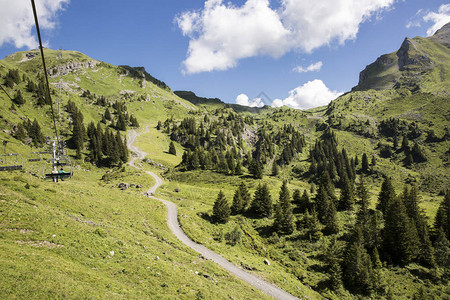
<point>156,145</point>
<point>56,242</point>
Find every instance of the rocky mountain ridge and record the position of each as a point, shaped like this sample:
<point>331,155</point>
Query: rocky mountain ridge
<point>417,62</point>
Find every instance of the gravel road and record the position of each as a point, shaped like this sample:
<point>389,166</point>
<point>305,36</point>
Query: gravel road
<point>172,221</point>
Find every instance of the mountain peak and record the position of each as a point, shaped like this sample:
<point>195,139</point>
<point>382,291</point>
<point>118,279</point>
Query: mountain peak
<point>443,35</point>
<point>416,65</point>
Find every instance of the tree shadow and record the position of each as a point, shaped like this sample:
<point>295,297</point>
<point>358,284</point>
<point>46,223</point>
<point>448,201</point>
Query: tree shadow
<point>205,216</point>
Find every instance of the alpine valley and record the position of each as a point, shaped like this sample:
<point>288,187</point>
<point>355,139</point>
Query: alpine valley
<point>346,201</point>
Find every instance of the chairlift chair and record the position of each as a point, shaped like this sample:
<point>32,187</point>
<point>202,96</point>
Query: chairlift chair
<point>56,169</point>
<point>11,162</point>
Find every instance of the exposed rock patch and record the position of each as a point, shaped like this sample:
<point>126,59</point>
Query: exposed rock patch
<point>62,70</point>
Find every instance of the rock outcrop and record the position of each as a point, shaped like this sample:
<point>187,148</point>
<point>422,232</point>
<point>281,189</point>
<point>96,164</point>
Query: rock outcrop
<point>71,67</point>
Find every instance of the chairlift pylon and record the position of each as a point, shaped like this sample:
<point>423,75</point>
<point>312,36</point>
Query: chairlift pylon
<point>54,168</point>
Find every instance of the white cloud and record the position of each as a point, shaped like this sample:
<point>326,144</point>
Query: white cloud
<point>243,99</point>
<point>318,23</point>
<point>311,68</point>
<point>17,21</point>
<point>222,34</point>
<point>439,19</point>
<point>416,20</point>
<point>312,94</point>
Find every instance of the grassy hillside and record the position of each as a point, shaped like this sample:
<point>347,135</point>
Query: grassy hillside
<point>84,237</point>
<point>116,243</point>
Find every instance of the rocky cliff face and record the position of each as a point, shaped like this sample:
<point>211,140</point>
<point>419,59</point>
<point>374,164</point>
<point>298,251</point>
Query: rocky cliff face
<point>410,55</point>
<point>443,35</point>
<point>71,67</point>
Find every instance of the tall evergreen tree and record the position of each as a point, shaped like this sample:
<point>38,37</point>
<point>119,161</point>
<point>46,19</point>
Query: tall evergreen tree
<point>346,200</point>
<point>241,199</point>
<point>221,209</point>
<point>387,195</point>
<point>18,99</point>
<point>330,221</point>
<point>400,238</point>
<point>261,205</point>
<point>108,114</point>
<point>357,268</point>
<point>255,169</point>
<point>333,258</point>
<point>313,225</point>
<point>284,218</point>
<point>35,133</point>
<point>442,250</point>
<point>322,202</point>
<point>365,163</point>
<point>275,169</point>
<point>172,149</point>
<point>442,219</point>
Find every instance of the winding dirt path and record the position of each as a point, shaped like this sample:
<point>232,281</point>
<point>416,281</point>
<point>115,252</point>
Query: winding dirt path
<point>172,221</point>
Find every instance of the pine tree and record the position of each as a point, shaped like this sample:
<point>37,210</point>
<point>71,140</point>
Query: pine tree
<point>334,269</point>
<point>330,221</point>
<point>18,99</point>
<point>405,144</point>
<point>238,169</point>
<point>20,132</point>
<point>172,149</point>
<point>302,201</point>
<point>322,202</point>
<point>275,170</point>
<point>221,209</point>
<point>108,114</point>
<point>400,239</point>
<point>121,124</point>
<point>134,122</point>
<point>121,148</point>
<point>365,163</point>
<point>442,249</point>
<point>255,169</point>
<point>261,205</point>
<point>35,133</point>
<point>362,193</point>
<point>357,265</point>
<point>313,226</point>
<point>284,218</point>
<point>442,219</point>
<point>387,194</point>
<point>346,200</point>
<point>241,199</point>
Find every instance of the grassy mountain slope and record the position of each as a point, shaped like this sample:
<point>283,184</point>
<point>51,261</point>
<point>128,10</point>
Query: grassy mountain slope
<point>399,95</point>
<point>81,237</point>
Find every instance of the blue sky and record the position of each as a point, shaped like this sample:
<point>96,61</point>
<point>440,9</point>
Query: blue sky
<point>300,53</point>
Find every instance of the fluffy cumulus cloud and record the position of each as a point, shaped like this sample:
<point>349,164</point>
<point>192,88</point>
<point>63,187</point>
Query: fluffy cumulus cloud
<point>311,68</point>
<point>243,99</point>
<point>317,23</point>
<point>222,34</point>
<point>17,21</point>
<point>439,19</point>
<point>312,94</point>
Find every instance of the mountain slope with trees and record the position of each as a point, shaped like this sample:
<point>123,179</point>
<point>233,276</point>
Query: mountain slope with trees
<point>350,199</point>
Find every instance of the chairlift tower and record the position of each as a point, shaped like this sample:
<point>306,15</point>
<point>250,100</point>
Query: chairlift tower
<point>60,53</point>
<point>58,160</point>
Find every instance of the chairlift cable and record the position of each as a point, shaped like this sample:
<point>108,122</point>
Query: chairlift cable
<point>45,69</point>
<point>6,93</point>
